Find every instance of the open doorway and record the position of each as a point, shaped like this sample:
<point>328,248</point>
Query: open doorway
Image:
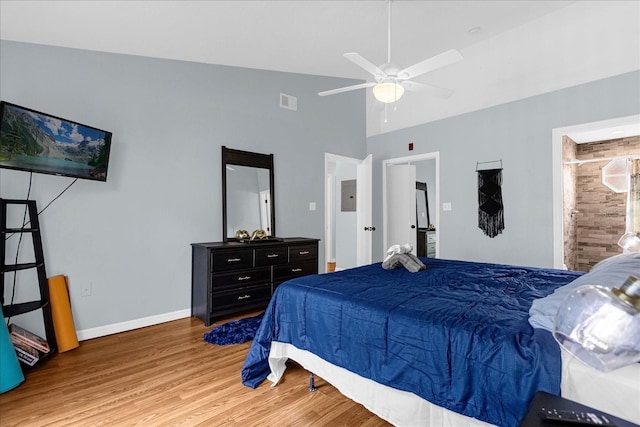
<point>594,213</point>
<point>588,219</point>
<point>348,211</point>
<point>427,169</point>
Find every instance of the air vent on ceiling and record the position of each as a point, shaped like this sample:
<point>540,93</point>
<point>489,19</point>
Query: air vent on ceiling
<point>289,102</point>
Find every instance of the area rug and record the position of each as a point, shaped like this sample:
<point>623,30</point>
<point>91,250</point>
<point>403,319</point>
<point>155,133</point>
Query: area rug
<point>234,332</point>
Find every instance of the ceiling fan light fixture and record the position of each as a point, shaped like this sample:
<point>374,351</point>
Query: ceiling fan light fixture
<point>388,92</point>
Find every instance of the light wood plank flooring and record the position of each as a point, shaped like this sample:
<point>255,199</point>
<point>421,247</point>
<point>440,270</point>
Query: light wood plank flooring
<point>166,375</point>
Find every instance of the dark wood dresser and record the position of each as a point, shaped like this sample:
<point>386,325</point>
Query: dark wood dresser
<point>231,277</point>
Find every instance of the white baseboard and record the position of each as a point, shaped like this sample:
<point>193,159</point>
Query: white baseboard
<point>101,331</point>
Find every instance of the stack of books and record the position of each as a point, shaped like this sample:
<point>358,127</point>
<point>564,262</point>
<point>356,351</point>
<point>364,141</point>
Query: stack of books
<point>28,345</point>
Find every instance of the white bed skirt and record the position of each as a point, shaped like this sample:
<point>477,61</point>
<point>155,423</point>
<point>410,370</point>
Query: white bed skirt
<point>400,408</point>
<point>617,393</point>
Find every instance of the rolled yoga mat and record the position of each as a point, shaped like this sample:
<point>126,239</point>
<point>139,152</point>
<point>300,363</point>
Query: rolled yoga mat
<point>10,371</point>
<point>63,325</point>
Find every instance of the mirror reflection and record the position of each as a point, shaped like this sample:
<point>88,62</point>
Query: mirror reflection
<point>421,206</point>
<point>248,199</point>
<point>247,196</point>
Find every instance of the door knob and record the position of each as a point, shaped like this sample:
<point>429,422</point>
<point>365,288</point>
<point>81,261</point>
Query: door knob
<point>369,229</point>
<point>413,226</point>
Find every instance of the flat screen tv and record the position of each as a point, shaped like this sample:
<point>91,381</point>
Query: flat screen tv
<point>38,142</point>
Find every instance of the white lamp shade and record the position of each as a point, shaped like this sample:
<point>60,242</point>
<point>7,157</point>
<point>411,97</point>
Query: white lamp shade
<point>615,175</point>
<point>388,92</point>
<point>630,242</point>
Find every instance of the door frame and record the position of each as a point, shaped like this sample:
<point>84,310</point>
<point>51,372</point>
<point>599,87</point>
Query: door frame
<point>556,169</point>
<point>364,211</point>
<point>411,159</point>
<point>329,200</point>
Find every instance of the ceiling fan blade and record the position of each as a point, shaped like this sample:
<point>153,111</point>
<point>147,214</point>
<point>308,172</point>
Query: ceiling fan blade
<point>364,63</point>
<point>432,90</point>
<point>346,89</point>
<point>445,58</point>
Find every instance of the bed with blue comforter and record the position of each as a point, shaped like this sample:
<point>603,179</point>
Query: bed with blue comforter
<point>456,334</point>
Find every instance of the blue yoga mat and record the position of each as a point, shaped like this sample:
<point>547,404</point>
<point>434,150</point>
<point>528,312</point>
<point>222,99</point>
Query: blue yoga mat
<point>10,371</point>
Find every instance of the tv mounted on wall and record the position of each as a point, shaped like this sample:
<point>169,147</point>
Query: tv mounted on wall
<point>38,142</point>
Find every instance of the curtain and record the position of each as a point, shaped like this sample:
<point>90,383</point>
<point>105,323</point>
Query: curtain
<point>630,241</point>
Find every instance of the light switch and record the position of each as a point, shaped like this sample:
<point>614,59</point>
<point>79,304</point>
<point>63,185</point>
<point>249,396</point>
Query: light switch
<point>312,206</point>
<point>446,206</point>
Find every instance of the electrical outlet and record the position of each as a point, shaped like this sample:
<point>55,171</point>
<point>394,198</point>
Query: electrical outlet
<point>86,290</point>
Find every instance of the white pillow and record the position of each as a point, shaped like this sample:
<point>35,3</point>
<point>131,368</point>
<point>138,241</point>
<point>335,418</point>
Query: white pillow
<point>610,273</point>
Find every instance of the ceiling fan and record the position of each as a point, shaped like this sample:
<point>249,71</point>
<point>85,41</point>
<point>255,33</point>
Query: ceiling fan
<point>391,80</point>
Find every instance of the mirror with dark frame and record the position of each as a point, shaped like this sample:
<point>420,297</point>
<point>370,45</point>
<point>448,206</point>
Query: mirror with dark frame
<point>423,218</point>
<point>422,205</point>
<point>247,195</point>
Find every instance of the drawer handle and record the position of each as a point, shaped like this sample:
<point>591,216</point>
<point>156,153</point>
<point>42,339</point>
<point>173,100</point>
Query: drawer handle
<point>245,296</point>
<point>243,278</point>
<point>303,253</point>
<point>272,256</point>
<point>233,259</point>
<point>296,270</point>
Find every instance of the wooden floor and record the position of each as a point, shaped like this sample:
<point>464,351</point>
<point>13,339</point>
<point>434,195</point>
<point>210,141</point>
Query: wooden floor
<point>166,375</point>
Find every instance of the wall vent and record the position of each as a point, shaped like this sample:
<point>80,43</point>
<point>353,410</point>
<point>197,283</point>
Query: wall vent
<point>289,102</point>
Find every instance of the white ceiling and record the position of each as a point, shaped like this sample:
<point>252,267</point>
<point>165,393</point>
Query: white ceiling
<point>522,48</point>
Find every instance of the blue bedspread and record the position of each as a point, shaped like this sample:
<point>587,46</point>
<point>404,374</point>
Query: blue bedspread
<point>455,334</point>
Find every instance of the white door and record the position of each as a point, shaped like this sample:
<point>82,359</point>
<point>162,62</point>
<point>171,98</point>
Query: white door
<point>401,205</point>
<point>364,209</point>
<point>354,237</point>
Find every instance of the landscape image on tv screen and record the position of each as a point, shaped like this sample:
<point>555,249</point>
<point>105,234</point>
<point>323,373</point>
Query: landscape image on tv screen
<point>37,142</point>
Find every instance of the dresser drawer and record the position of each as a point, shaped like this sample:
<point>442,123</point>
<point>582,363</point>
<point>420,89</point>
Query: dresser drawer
<point>431,237</point>
<point>272,256</point>
<point>241,278</point>
<point>231,260</point>
<point>241,296</point>
<point>286,272</point>
<point>303,253</point>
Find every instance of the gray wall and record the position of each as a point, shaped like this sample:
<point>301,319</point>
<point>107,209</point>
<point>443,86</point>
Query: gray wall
<point>129,237</point>
<point>519,133</point>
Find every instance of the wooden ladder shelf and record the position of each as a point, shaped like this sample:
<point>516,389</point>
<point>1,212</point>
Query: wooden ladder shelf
<point>10,271</point>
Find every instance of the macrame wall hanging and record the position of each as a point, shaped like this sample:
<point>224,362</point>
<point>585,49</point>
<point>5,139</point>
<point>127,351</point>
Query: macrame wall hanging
<point>490,207</point>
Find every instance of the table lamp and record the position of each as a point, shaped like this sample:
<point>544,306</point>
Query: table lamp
<point>601,326</point>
